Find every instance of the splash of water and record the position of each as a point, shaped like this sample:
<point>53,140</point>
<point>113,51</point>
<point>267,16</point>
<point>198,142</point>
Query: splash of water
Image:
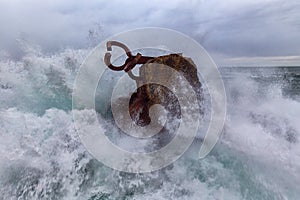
<point>42,158</point>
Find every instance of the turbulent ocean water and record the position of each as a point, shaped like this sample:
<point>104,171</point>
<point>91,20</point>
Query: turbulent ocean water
<point>41,156</point>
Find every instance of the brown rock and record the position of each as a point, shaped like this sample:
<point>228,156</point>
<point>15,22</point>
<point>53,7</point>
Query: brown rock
<point>150,94</point>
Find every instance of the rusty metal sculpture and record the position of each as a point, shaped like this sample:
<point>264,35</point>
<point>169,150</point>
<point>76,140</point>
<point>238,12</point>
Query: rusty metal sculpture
<point>130,62</point>
<point>150,94</point>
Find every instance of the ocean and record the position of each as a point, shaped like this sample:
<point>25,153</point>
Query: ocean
<point>41,156</point>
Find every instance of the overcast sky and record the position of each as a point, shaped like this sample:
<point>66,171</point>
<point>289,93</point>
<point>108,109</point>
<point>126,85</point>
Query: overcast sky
<point>234,32</point>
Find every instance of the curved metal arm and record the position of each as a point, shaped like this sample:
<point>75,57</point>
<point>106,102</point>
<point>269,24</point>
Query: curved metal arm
<point>134,77</point>
<point>109,45</point>
<point>130,62</point>
<point>107,55</point>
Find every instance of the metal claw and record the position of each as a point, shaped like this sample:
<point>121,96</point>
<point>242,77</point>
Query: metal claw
<point>107,55</point>
<point>130,62</point>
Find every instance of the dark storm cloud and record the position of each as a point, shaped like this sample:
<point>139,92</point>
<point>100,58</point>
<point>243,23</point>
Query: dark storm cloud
<point>225,28</point>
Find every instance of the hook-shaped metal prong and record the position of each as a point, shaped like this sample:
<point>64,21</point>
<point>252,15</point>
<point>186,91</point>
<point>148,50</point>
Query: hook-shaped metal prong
<point>134,77</point>
<point>130,62</point>
<point>109,45</point>
<point>107,55</point>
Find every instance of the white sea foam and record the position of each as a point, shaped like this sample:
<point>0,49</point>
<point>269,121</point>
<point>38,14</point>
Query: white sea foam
<point>42,157</point>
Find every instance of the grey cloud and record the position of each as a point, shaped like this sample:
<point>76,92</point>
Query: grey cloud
<point>228,28</point>
<point>266,30</point>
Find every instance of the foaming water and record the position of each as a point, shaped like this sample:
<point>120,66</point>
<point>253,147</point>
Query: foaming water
<point>38,83</point>
<point>262,125</point>
<point>42,157</point>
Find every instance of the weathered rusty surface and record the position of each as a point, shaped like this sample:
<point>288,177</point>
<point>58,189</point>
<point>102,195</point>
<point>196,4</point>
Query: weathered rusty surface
<point>130,62</point>
<point>150,94</point>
